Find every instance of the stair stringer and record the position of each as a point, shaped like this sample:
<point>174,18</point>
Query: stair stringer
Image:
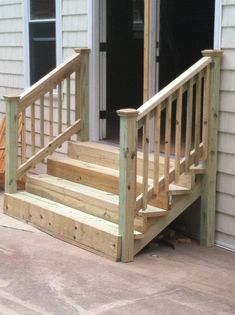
<point>179,206</point>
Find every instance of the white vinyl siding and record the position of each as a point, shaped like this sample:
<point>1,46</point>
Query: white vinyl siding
<point>225,219</point>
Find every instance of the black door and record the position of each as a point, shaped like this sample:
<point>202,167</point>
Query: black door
<point>125,26</point>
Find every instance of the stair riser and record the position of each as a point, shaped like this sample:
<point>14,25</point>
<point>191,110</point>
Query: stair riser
<point>96,207</point>
<point>85,176</point>
<point>64,228</point>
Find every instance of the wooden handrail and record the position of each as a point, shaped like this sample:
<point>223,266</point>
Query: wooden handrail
<point>172,87</point>
<point>48,82</point>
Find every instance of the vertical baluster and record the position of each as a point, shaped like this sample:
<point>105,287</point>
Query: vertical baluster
<point>206,94</point>
<point>59,108</point>
<point>188,140</point>
<point>145,161</point>
<point>77,98</point>
<point>42,122</point>
<point>167,143</point>
<point>23,137</point>
<point>51,118</point>
<point>33,129</point>
<point>157,144</point>
<point>68,104</point>
<point>198,117</point>
<point>178,130</point>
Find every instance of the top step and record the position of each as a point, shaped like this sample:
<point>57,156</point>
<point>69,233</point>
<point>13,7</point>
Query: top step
<point>107,155</point>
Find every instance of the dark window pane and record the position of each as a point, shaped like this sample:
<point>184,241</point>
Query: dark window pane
<point>42,50</point>
<point>42,9</point>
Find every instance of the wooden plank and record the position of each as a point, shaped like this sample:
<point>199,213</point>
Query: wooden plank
<point>145,161</point>
<point>157,145</point>
<point>48,149</point>
<point>51,116</point>
<point>23,137</point>
<point>127,182</point>
<point>161,96</point>
<point>208,198</point>
<point>63,222</point>
<point>188,140</point>
<point>42,122</point>
<point>198,117</point>
<point>206,94</point>
<point>178,131</point>
<point>49,81</point>
<point>146,50</point>
<point>178,207</point>
<point>33,149</point>
<point>59,108</point>
<point>68,100</point>
<point>11,143</point>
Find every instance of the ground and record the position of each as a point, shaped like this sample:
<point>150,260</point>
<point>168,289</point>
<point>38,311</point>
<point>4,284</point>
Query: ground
<point>42,275</point>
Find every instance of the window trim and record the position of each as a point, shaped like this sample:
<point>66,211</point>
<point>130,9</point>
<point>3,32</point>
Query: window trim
<point>58,29</point>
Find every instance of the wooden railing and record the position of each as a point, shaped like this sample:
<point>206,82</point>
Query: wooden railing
<point>62,93</point>
<point>191,94</point>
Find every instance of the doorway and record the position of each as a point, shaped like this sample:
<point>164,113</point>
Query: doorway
<point>181,30</point>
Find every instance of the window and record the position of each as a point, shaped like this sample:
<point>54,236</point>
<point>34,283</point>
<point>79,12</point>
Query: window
<point>42,38</point>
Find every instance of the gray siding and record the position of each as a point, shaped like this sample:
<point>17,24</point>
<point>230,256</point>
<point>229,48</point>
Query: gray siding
<point>225,219</point>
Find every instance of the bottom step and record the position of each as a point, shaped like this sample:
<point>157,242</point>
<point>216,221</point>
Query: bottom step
<point>73,226</point>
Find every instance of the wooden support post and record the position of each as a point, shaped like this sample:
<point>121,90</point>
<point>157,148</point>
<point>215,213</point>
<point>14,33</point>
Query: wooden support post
<point>83,93</point>
<point>146,49</point>
<point>208,197</point>
<point>127,181</point>
<point>11,143</point>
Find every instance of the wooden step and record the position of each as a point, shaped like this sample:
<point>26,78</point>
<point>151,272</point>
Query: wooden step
<point>153,212</point>
<point>178,190</point>
<point>84,198</point>
<point>107,155</point>
<point>92,175</point>
<point>73,226</point>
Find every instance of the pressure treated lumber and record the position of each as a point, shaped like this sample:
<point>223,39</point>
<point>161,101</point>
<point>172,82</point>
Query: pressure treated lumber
<point>73,226</point>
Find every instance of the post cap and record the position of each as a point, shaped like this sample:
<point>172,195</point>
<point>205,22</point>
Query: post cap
<point>212,53</point>
<point>127,112</point>
<point>12,97</point>
<point>82,50</point>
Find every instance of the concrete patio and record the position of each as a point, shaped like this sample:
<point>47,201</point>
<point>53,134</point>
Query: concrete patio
<point>42,275</point>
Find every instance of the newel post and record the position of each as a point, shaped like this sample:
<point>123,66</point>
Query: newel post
<point>83,93</point>
<point>127,181</point>
<point>11,143</point>
<point>208,197</point>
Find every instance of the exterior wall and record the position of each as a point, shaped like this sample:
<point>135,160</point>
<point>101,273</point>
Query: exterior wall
<point>225,226</point>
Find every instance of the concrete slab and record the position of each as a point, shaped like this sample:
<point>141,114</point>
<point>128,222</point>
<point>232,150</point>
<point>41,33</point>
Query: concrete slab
<point>42,275</point>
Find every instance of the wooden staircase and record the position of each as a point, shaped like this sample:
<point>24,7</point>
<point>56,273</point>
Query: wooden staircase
<point>77,201</point>
<point>114,200</point>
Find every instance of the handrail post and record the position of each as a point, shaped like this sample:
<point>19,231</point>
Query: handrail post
<point>127,181</point>
<point>11,143</point>
<point>208,196</point>
<point>83,93</point>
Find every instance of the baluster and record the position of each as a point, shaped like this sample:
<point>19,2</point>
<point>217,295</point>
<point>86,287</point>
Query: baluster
<point>42,122</point>
<point>51,118</point>
<point>59,108</point>
<point>157,145</point>
<point>178,130</point>
<point>167,143</point>
<point>206,94</point>
<point>23,138</point>
<point>33,129</point>
<point>145,161</point>
<point>68,102</point>
<point>198,117</point>
<point>77,98</point>
<point>188,140</point>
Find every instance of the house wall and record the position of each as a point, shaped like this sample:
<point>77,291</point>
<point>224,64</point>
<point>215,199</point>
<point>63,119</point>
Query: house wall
<point>225,207</point>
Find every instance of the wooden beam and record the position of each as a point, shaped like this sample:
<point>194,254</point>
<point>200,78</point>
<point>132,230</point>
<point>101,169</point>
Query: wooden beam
<point>127,181</point>
<point>208,198</point>
<point>11,142</point>
<point>146,49</point>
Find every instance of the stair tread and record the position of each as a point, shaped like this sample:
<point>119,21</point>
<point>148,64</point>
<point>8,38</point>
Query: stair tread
<point>174,187</point>
<point>69,186</point>
<point>152,211</point>
<point>73,214</point>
